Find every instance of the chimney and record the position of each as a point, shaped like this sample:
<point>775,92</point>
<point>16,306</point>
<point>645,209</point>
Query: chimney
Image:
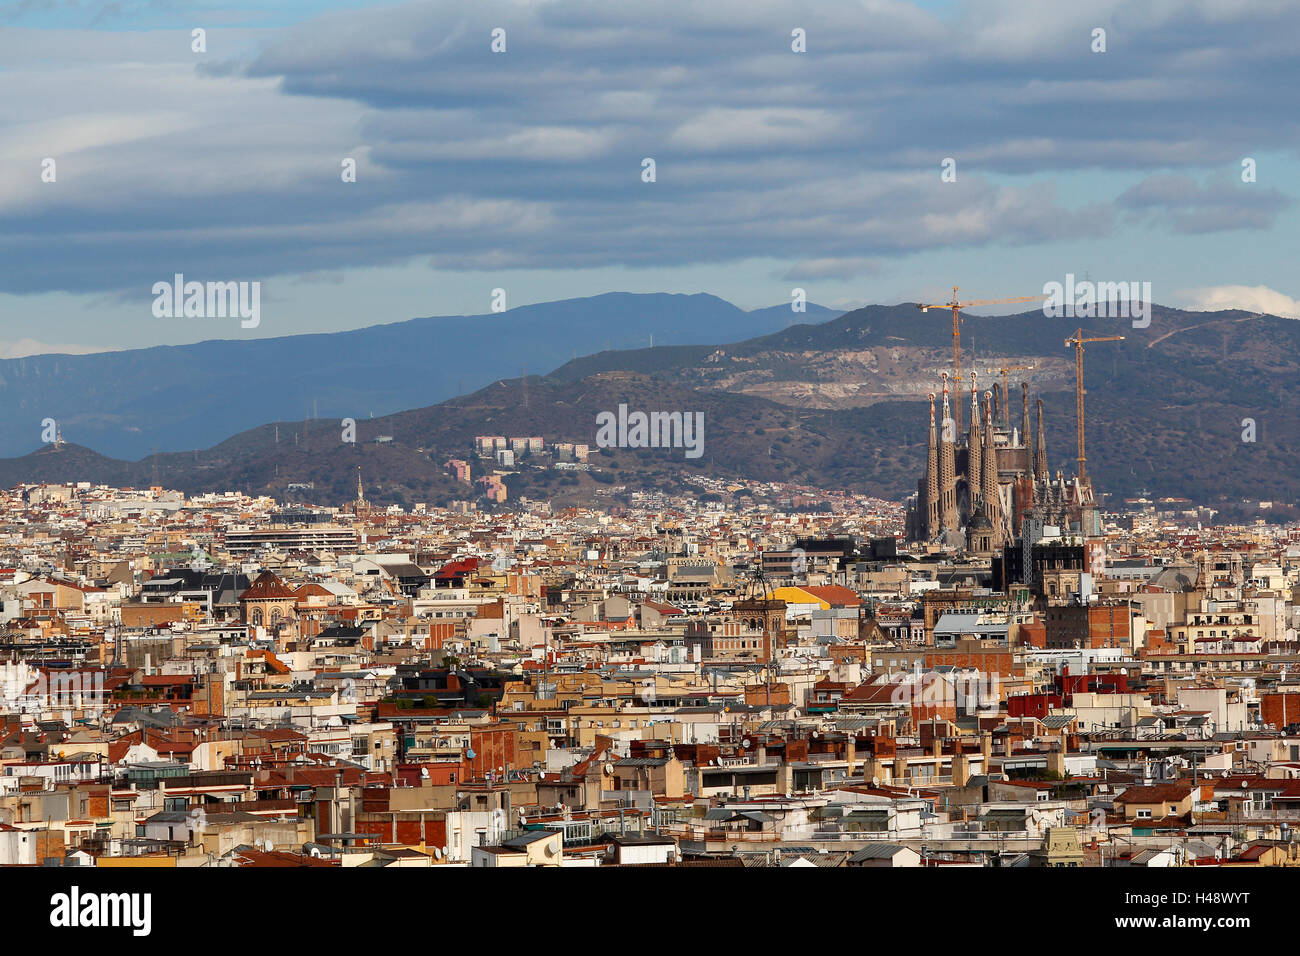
<point>960,768</point>
<point>1056,761</point>
<point>851,752</point>
<point>986,748</point>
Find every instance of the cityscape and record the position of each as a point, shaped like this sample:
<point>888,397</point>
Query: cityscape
<point>782,676</point>
<point>544,436</point>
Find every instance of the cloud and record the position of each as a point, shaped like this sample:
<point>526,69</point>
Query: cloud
<point>1180,203</point>
<point>228,166</point>
<point>756,128</point>
<point>1257,298</point>
<point>843,267</point>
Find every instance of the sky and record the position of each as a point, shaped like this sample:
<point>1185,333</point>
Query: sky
<point>524,170</point>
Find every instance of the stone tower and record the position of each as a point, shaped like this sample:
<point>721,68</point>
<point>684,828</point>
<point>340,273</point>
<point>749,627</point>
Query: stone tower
<point>947,468</point>
<point>989,473</point>
<point>1040,448</point>
<point>932,517</point>
<point>1024,425</point>
<point>974,454</point>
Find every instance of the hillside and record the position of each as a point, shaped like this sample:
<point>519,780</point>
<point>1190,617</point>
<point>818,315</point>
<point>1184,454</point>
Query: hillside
<point>1165,408</point>
<point>131,403</point>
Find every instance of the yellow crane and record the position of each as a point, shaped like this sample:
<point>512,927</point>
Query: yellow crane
<point>1006,396</point>
<point>1077,341</point>
<point>956,307</point>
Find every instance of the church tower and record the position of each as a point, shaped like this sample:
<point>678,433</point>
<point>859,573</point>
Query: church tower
<point>989,488</point>
<point>1040,448</point>
<point>932,479</point>
<point>974,455</point>
<point>947,468</point>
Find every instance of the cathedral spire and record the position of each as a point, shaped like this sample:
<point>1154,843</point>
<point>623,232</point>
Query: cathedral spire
<point>1024,421</point>
<point>1040,448</point>
<point>932,479</point>
<point>974,454</point>
<point>948,519</point>
<point>360,506</point>
<point>989,474</point>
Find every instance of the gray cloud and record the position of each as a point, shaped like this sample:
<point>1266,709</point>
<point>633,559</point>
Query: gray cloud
<point>1179,202</point>
<point>229,168</point>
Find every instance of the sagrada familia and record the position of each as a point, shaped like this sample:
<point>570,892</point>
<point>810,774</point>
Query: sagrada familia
<point>980,489</point>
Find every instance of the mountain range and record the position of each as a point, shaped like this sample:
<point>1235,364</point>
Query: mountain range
<point>132,403</point>
<point>837,403</point>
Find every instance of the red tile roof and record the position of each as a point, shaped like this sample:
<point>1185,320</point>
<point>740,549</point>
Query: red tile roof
<point>268,586</point>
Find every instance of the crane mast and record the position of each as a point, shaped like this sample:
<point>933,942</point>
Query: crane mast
<point>1077,341</point>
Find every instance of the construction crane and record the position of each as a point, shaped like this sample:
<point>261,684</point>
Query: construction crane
<point>1006,396</point>
<point>1077,341</point>
<point>956,307</point>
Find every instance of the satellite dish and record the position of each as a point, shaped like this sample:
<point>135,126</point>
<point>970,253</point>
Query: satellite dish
<point>424,773</point>
<point>746,743</point>
<point>875,781</point>
<point>437,854</point>
<point>609,769</point>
